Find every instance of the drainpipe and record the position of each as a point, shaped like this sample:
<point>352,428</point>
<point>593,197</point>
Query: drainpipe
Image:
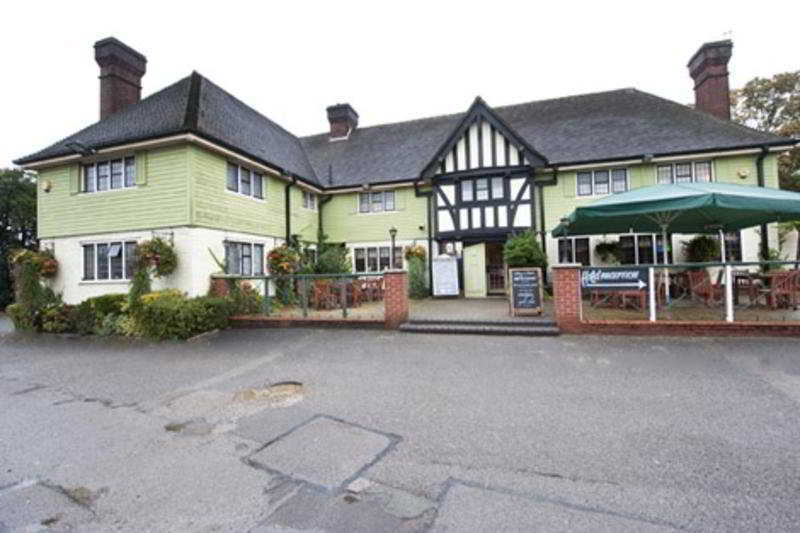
<point>321,200</point>
<point>429,196</point>
<point>288,198</point>
<point>760,177</point>
<point>542,233</point>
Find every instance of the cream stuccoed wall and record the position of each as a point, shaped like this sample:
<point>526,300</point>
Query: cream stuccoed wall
<point>192,245</point>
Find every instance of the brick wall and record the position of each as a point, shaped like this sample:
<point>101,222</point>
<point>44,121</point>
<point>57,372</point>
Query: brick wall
<point>395,298</point>
<point>567,297</point>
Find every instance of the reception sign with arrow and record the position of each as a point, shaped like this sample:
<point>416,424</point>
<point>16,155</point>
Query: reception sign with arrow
<point>615,278</point>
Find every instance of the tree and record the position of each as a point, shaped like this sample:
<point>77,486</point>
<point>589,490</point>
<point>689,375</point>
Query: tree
<point>773,105</point>
<point>17,222</point>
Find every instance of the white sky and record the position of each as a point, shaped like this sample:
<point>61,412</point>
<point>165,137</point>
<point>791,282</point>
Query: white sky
<point>391,60</point>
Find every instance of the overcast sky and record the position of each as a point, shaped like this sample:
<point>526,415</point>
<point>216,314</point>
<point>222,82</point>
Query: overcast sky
<point>392,61</point>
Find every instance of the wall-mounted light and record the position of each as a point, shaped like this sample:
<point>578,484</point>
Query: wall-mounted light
<point>47,185</point>
<point>743,173</point>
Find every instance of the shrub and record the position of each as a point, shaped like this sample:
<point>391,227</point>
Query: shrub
<point>58,318</point>
<point>417,278</point>
<point>522,250</point>
<point>33,298</point>
<point>333,259</point>
<point>84,318</point>
<point>245,300</point>
<point>167,315</point>
<point>44,261</point>
<point>22,321</point>
<point>701,249</point>
<point>108,304</point>
<point>139,285</point>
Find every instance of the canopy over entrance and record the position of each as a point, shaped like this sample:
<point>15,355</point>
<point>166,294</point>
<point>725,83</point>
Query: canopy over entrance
<point>682,208</point>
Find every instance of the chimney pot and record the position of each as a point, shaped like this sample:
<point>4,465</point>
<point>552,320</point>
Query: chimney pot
<point>708,67</point>
<point>121,71</point>
<point>343,120</point>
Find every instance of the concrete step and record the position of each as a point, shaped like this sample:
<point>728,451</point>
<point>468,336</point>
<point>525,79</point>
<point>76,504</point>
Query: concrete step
<point>525,322</point>
<point>480,329</point>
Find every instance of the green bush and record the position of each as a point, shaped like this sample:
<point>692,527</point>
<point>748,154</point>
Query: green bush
<point>84,318</point>
<point>701,249</point>
<point>171,317</point>
<point>108,304</point>
<point>333,259</point>
<point>58,318</point>
<point>609,251</point>
<point>245,300</point>
<point>417,278</point>
<point>22,321</point>
<point>523,250</point>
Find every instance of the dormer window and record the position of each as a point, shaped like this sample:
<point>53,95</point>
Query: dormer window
<point>482,189</point>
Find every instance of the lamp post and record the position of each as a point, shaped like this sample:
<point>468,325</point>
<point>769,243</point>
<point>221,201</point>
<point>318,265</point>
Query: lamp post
<point>392,234</point>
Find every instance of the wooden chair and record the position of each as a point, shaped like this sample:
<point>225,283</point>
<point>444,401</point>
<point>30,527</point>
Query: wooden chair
<point>783,290</point>
<point>357,292</point>
<point>322,296</point>
<point>374,289</point>
<point>703,289</point>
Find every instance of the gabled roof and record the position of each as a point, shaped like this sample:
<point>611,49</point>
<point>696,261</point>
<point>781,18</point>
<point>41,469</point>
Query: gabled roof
<point>619,124</point>
<point>194,105</point>
<point>612,125</point>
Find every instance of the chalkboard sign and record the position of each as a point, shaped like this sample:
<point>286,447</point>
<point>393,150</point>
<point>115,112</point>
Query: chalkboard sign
<point>526,291</point>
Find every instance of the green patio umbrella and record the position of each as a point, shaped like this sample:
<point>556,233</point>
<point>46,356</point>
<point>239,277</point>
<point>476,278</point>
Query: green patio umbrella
<point>682,208</point>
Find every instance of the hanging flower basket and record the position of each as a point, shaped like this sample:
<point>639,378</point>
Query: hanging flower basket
<point>157,254</point>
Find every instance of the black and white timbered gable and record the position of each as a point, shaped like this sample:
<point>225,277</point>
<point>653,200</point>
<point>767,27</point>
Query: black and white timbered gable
<point>482,178</point>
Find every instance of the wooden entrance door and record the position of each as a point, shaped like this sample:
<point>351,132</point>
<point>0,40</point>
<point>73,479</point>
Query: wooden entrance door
<point>475,271</point>
<point>495,268</point>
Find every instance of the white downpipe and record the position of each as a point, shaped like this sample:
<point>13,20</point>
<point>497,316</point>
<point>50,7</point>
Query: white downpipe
<point>723,254</point>
<point>728,293</point>
<point>665,257</point>
<point>651,277</point>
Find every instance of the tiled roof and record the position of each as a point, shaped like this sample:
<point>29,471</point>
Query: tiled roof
<point>610,125</point>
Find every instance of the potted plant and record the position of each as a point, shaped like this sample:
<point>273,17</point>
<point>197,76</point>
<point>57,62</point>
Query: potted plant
<point>609,251</point>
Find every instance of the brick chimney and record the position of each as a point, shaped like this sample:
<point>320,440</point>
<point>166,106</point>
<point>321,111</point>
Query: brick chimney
<point>343,119</point>
<point>709,70</point>
<point>121,71</point>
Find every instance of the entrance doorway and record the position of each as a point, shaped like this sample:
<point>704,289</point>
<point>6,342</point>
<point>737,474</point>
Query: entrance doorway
<point>495,268</point>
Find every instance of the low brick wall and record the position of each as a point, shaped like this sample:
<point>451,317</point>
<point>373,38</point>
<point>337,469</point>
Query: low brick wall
<point>568,307</point>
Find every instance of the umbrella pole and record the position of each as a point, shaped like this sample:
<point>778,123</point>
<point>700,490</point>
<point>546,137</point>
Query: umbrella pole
<point>722,246</point>
<point>665,257</point>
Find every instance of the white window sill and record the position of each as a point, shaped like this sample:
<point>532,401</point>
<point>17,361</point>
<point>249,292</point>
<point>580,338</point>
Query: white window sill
<point>104,282</point>
<point>92,193</point>
<point>246,197</point>
<point>379,212</point>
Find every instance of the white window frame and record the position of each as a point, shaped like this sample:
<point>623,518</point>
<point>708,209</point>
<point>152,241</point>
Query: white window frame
<point>377,248</point>
<point>693,166</point>
<point>253,175</point>
<point>96,164</point>
<point>573,248</point>
<point>310,200</point>
<point>654,237</point>
<point>252,245</point>
<point>126,276</point>
<point>593,181</point>
<point>371,206</point>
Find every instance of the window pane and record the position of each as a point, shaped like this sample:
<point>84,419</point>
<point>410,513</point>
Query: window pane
<point>258,185</point>
<point>733,246</point>
<point>584,183</point>
<point>481,189</point>
<point>372,259</point>
<point>565,251</point>
<point>388,201</point>
<point>247,259</point>
<point>233,178</point>
<point>305,199</point>
<point>116,174</point>
<point>361,265</point>
<point>601,182</point>
<point>88,261</point>
<point>645,249</point>
<point>244,181</point>
<point>102,261</point>
<point>398,257</point>
<point>130,171</point>
<point>363,202</point>
<point>102,177</point>
<point>619,180</point>
<point>89,178</point>
<point>385,257</point>
<point>258,259</point>
<point>659,258</point>
<point>627,245</point>
<point>683,172</point>
<point>665,174</point>
<point>466,191</point>
<point>377,201</point>
<point>115,253</point>
<point>497,188</point>
<point>582,251</point>
<point>233,258</point>
<point>130,259</point>
<point>702,171</point>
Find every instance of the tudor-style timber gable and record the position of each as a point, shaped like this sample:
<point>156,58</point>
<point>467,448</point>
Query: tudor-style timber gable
<point>482,178</point>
